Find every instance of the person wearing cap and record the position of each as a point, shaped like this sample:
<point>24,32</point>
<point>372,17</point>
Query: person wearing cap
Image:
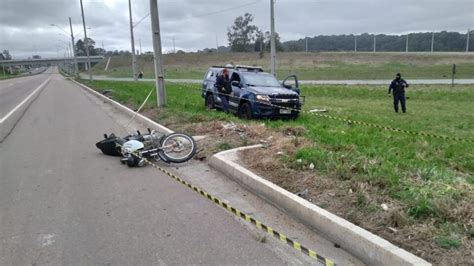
<point>398,86</point>
<point>224,89</point>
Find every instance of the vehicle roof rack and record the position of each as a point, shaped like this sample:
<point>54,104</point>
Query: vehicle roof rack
<point>249,68</point>
<point>242,68</point>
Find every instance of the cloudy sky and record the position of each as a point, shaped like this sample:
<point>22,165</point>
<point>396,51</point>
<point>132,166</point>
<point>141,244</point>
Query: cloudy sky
<point>25,25</point>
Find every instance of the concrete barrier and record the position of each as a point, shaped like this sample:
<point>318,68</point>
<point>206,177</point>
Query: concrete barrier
<point>368,247</point>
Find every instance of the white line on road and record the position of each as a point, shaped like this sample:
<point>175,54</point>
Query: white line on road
<point>24,101</point>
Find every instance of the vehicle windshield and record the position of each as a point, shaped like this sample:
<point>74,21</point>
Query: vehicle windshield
<point>260,79</point>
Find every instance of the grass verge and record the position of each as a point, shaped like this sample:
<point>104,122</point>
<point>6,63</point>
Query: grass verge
<point>308,66</point>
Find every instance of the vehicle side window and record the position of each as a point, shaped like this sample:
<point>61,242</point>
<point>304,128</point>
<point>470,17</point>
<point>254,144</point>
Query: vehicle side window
<point>235,77</point>
<point>209,74</point>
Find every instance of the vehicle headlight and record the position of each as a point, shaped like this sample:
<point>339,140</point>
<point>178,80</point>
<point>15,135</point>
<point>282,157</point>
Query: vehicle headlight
<point>263,98</point>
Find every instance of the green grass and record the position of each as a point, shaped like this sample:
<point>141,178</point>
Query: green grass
<point>308,66</point>
<point>448,242</point>
<point>430,177</point>
<point>8,75</point>
<point>341,70</point>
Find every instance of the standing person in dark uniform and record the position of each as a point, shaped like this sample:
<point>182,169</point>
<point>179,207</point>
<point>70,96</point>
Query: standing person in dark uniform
<point>224,89</point>
<point>398,86</point>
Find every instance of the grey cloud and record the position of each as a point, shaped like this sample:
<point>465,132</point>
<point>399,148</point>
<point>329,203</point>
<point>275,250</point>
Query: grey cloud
<point>25,24</point>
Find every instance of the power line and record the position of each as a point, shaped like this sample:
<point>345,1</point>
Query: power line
<point>225,10</point>
<point>144,17</point>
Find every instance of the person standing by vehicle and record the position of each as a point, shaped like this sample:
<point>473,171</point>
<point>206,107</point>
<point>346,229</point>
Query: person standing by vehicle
<point>398,86</point>
<point>224,89</point>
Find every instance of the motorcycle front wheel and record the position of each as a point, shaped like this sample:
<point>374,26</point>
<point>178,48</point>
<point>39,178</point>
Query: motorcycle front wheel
<point>177,147</point>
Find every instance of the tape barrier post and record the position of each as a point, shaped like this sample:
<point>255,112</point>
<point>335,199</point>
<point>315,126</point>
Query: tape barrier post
<point>292,243</point>
<point>362,123</point>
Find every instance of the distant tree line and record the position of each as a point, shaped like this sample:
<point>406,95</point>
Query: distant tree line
<point>417,42</point>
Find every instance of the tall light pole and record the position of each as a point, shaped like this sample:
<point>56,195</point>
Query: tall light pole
<point>73,49</point>
<point>174,46</point>
<point>432,41</point>
<point>272,32</point>
<point>355,43</point>
<point>375,42</point>
<point>76,68</point>
<point>306,44</point>
<point>140,43</point>
<point>134,60</point>
<point>86,42</point>
<point>406,45</point>
<point>467,41</point>
<point>155,28</point>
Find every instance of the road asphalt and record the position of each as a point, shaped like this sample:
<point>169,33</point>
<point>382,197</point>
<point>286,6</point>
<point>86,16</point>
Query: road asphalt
<point>63,202</point>
<point>14,90</point>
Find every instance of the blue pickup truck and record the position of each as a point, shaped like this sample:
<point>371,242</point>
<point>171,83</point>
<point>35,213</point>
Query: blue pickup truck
<point>255,94</point>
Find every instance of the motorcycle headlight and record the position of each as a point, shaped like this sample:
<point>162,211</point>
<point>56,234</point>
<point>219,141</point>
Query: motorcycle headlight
<point>263,98</point>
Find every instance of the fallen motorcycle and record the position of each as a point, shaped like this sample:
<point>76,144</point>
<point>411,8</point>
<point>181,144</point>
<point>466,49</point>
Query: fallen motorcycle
<point>136,149</point>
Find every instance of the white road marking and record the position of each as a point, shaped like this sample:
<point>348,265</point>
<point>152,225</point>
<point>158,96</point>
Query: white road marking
<point>24,101</point>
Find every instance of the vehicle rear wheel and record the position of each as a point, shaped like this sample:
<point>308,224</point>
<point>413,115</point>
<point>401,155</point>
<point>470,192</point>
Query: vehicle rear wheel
<point>210,101</point>
<point>245,111</point>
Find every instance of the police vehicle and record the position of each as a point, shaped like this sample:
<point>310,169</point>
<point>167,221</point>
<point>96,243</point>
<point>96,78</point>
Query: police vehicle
<point>255,93</point>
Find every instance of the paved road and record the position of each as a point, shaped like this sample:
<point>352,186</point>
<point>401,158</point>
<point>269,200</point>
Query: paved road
<point>321,82</point>
<point>13,91</point>
<point>62,202</point>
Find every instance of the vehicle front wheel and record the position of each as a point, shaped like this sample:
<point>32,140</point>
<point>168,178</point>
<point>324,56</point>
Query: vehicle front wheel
<point>210,101</point>
<point>245,111</point>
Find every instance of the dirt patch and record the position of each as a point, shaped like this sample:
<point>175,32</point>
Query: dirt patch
<point>361,203</point>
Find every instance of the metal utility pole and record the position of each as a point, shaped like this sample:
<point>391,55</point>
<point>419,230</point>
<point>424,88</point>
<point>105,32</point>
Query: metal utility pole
<point>86,43</point>
<point>375,42</point>
<point>432,41</point>
<point>155,28</point>
<point>134,60</point>
<point>406,46</point>
<point>306,44</point>
<point>217,44</point>
<point>467,42</point>
<point>355,43</point>
<point>272,32</point>
<point>76,68</point>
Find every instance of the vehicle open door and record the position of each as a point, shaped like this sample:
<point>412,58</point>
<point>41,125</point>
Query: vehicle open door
<point>291,83</point>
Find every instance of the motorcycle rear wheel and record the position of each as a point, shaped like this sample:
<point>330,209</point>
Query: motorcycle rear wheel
<point>177,147</point>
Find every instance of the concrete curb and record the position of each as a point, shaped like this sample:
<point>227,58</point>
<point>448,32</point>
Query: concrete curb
<point>368,247</point>
<point>9,124</point>
<point>147,121</point>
